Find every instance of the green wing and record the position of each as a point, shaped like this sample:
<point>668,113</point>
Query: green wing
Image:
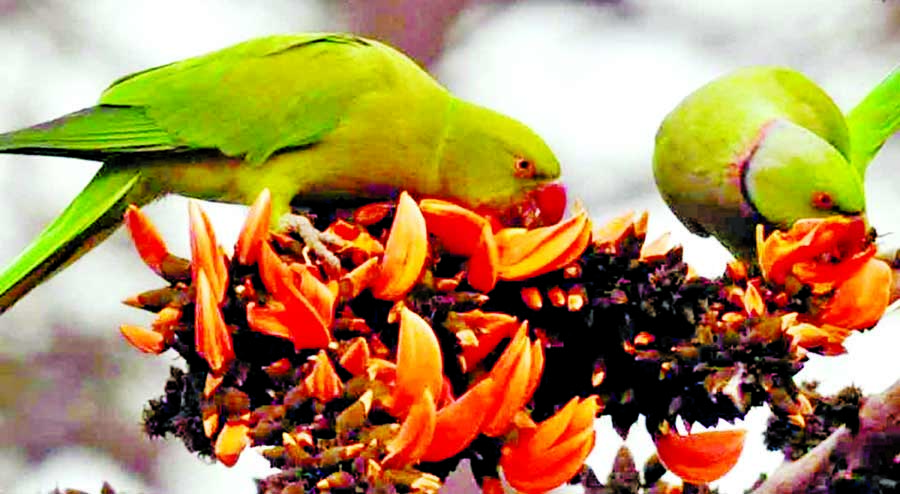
<point>874,120</point>
<point>246,101</point>
<point>257,97</point>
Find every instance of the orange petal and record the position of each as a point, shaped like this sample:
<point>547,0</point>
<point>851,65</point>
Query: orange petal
<point>657,249</point>
<point>149,243</point>
<point>279,368</point>
<point>460,230</point>
<point>255,230</point>
<point>317,293</point>
<point>753,302</point>
<point>268,320</point>
<point>212,337</point>
<point>145,340</point>
<point>212,383</point>
<point>531,296</point>
<point>458,423</point>
<point>323,382</point>
<point>859,302</point>
<point>553,452</point>
<point>490,328</point>
<point>234,437</point>
<point>416,433</point>
<point>210,416</point>
<point>482,271</point>
<point>372,213</point>
<point>205,251</point>
<point>359,243</point>
<point>492,485</point>
<point>404,253</point>
<point>537,369</point>
<point>535,252</point>
<point>825,339</point>
<point>419,362</point>
<point>356,357</point>
<point>512,383</point>
<point>702,457</point>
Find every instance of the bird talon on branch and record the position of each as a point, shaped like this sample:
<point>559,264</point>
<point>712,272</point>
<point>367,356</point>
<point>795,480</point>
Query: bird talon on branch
<point>317,241</point>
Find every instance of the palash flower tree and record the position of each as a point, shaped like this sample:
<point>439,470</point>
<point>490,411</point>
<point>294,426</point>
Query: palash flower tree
<point>445,337</point>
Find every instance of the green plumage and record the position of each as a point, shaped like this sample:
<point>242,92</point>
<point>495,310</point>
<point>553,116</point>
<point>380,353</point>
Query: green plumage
<point>319,116</point>
<point>759,145</point>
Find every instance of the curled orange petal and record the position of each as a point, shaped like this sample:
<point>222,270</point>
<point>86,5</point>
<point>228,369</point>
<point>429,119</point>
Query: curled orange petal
<point>149,243</point>
<point>323,383</point>
<point>419,362</point>
<point>205,254</point>
<point>525,254</point>
<point>513,378</point>
<point>212,337</point>
<point>550,454</point>
<point>702,457</point>
<point>860,301</point>
<point>459,230</point>
<point>210,416</point>
<point>145,340</point>
<point>458,423</point>
<point>372,213</point>
<point>255,229</point>
<point>416,433</point>
<point>404,253</point>
<point>317,293</point>
<point>753,302</point>
<point>358,242</point>
<point>234,437</point>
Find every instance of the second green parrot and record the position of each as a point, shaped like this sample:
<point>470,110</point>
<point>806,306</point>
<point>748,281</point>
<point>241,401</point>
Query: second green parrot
<point>767,145</point>
<point>313,116</point>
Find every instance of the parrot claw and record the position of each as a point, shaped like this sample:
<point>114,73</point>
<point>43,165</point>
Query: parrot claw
<point>315,240</point>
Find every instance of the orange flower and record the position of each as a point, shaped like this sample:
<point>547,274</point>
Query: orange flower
<point>307,324</point>
<point>610,236</point>
<point>489,329</point>
<point>415,434</point>
<point>753,302</point>
<point>255,230</point>
<point>205,252</point>
<point>824,251</point>
<point>702,457</point>
<point>458,423</point>
<point>860,301</point>
<point>542,458</point>
<point>234,437</point>
<point>356,357</point>
<point>529,253</point>
<point>825,339</point>
<point>145,340</point>
<point>404,253</point>
<point>419,362</point>
<point>212,337</point>
<point>516,375</point>
<point>149,243</point>
<point>323,382</point>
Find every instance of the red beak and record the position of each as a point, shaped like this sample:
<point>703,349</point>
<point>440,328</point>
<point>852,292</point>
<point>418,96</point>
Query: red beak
<point>551,201</point>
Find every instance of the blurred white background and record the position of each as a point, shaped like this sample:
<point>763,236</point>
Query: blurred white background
<point>593,77</point>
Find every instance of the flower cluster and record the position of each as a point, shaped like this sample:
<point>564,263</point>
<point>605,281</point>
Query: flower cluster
<point>442,336</point>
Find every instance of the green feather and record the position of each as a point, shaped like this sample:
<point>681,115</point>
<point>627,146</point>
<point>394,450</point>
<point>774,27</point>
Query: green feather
<point>94,214</point>
<point>874,120</point>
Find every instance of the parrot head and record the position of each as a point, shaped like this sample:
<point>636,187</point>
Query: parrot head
<point>500,167</point>
<point>792,173</point>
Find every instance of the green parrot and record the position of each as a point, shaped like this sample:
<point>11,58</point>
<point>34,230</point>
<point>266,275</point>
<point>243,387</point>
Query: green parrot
<point>767,145</point>
<point>320,117</point>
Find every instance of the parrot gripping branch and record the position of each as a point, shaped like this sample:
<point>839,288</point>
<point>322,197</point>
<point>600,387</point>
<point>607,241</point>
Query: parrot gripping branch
<point>446,339</point>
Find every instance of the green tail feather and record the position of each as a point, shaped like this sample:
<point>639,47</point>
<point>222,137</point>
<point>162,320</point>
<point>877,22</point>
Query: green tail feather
<point>874,120</point>
<point>94,214</point>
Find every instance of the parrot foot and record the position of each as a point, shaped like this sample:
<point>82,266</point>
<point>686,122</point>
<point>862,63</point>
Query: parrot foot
<point>316,240</point>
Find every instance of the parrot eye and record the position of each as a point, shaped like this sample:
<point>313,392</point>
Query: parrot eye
<point>822,200</point>
<point>524,168</point>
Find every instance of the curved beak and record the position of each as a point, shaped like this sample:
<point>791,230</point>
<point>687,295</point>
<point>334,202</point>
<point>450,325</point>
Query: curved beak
<point>550,200</point>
